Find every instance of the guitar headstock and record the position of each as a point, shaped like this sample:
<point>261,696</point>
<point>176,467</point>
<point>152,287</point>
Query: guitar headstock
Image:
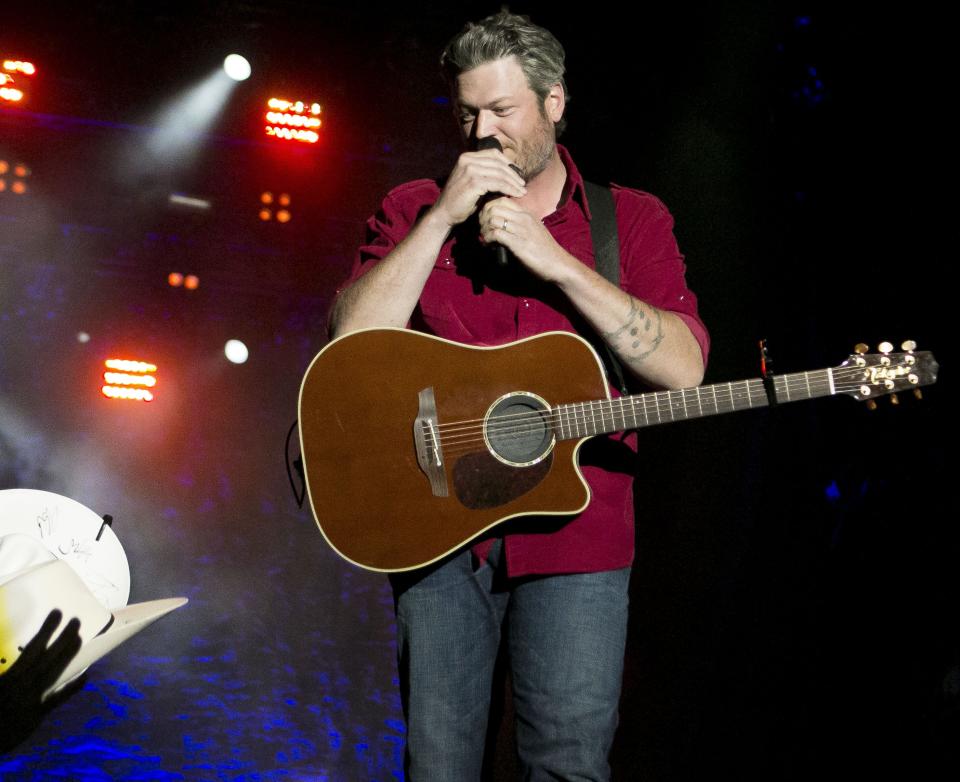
<point>866,375</point>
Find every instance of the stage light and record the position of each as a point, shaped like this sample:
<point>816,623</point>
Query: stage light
<point>82,337</point>
<point>286,134</point>
<point>237,67</point>
<point>283,214</point>
<point>178,128</point>
<point>133,394</point>
<point>293,120</point>
<point>19,66</point>
<point>11,94</point>
<point>125,379</point>
<point>191,282</point>
<point>236,351</point>
<point>12,86</point>
<point>16,183</point>
<point>126,365</point>
<point>131,380</point>
<point>175,279</point>
<point>190,202</point>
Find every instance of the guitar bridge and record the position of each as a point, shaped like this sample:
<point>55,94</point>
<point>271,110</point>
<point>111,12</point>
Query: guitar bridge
<point>426,436</point>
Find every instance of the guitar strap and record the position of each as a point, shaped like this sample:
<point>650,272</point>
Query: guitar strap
<point>606,252</point>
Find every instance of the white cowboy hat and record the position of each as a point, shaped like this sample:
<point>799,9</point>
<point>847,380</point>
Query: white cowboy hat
<point>74,533</point>
<point>33,582</point>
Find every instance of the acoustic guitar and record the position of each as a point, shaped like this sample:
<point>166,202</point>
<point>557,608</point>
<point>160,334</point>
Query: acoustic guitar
<point>415,445</point>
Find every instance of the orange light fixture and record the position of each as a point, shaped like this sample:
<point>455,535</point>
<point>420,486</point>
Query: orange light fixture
<point>128,379</point>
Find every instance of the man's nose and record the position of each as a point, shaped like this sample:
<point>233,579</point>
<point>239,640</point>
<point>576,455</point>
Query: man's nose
<point>485,124</point>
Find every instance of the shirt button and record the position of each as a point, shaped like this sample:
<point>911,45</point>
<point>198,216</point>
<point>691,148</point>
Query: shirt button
<point>526,302</point>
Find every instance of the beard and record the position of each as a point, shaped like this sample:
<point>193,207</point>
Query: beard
<point>534,153</point>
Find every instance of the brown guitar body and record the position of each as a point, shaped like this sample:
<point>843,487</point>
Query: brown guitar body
<point>358,403</point>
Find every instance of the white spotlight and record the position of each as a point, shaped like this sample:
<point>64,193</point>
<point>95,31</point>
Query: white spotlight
<point>237,67</point>
<point>236,351</point>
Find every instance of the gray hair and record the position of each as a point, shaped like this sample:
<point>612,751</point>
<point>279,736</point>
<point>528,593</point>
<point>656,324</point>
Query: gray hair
<point>508,35</point>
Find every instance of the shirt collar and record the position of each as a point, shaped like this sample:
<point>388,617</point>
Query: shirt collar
<point>573,189</point>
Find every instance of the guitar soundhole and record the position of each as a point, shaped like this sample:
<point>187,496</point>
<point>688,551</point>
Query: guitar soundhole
<point>518,430</point>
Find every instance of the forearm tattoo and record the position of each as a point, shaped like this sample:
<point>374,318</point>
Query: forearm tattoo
<point>638,321</point>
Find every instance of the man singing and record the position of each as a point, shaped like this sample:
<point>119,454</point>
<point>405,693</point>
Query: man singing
<point>556,593</point>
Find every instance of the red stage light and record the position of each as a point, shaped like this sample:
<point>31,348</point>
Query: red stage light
<point>19,66</point>
<point>19,187</point>
<point>283,216</point>
<point>265,214</point>
<point>293,120</point>
<point>265,198</point>
<point>11,94</point>
<point>191,282</point>
<point>175,279</point>
<point>8,92</point>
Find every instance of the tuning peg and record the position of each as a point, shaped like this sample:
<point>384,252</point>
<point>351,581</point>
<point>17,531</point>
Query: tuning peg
<point>909,346</point>
<point>918,393</point>
<point>861,349</point>
<point>871,404</point>
<point>885,347</point>
<point>894,399</point>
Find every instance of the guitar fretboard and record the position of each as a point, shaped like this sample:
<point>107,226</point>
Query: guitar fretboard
<point>585,419</point>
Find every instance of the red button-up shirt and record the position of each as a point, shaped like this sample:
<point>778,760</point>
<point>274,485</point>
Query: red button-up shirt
<point>461,301</point>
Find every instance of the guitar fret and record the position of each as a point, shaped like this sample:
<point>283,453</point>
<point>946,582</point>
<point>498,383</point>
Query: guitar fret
<point>587,419</point>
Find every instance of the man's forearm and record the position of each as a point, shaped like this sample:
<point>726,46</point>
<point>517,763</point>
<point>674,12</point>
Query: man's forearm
<point>654,344</point>
<point>387,294</point>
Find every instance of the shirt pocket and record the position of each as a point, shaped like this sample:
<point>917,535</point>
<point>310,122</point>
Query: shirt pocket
<point>446,302</point>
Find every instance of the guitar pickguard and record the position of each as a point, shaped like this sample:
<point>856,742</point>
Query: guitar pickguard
<point>480,481</point>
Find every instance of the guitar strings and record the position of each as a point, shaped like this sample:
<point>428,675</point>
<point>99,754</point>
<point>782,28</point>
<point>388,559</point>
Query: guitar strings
<point>732,394</point>
<point>457,436</point>
<point>580,416</point>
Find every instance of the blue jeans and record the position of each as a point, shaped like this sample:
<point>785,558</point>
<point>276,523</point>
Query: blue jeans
<point>565,640</point>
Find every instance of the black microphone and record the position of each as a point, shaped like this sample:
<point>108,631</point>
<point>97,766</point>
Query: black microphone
<point>501,253</point>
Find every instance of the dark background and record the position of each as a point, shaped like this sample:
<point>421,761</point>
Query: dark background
<point>795,594</point>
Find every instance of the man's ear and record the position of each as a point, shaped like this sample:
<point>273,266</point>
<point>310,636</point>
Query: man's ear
<point>555,103</point>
